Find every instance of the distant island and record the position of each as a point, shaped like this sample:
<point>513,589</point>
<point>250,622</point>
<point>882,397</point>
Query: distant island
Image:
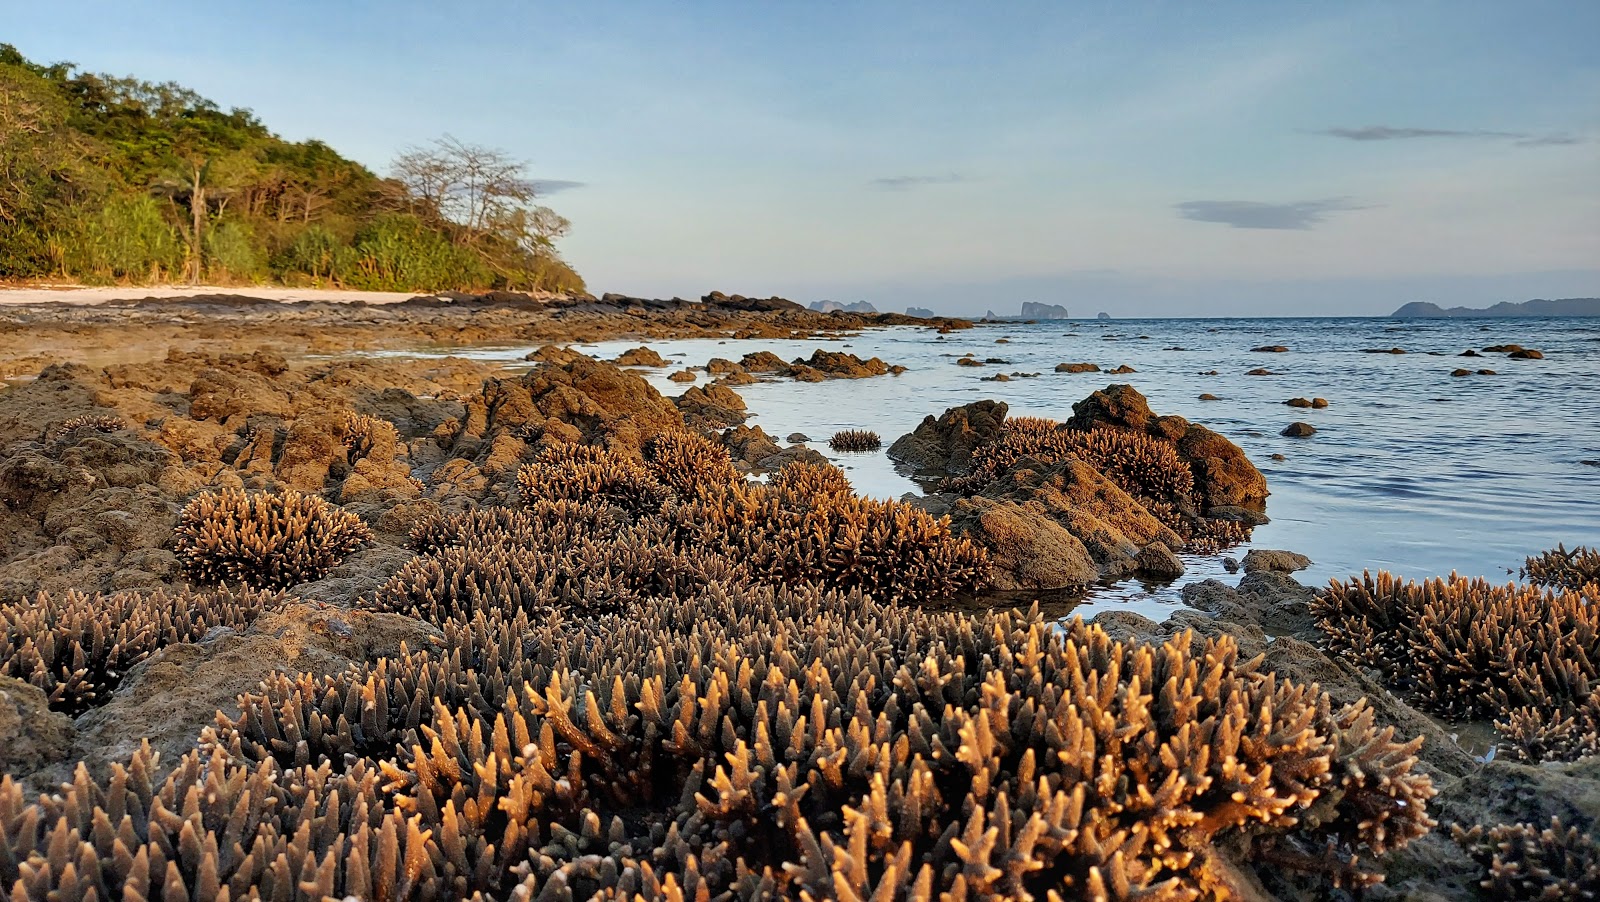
<point>836,307</point>
<point>1032,310</point>
<point>1536,307</point>
<point>923,312</point>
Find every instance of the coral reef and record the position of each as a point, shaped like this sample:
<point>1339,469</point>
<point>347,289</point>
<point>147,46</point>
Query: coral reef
<point>585,473</point>
<point>1523,863</point>
<point>99,423</point>
<point>747,744</point>
<point>76,648</point>
<point>267,540</point>
<point>1525,656</point>
<point>790,533</point>
<point>686,463</point>
<point>855,440</point>
<point>1560,568</point>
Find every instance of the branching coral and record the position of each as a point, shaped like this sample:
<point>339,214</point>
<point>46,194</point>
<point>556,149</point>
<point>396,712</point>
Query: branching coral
<point>855,440</point>
<point>98,423</point>
<point>778,744</point>
<point>687,463</point>
<point>362,433</point>
<point>1146,467</point>
<point>1211,535</point>
<point>1465,648</point>
<point>790,533</point>
<point>77,648</point>
<point>1560,568</point>
<point>266,540</point>
<point>586,473</point>
<point>801,480</point>
<point>1523,863</point>
<point>556,556</point>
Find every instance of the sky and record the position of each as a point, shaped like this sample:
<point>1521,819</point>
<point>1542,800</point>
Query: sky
<point>1145,159</point>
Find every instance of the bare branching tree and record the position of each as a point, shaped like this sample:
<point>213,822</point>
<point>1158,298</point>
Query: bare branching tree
<point>467,184</point>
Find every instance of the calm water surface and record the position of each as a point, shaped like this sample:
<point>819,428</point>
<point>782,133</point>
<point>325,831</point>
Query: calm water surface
<point>1411,470</point>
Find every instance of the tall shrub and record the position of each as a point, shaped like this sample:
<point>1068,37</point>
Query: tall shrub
<point>126,240</point>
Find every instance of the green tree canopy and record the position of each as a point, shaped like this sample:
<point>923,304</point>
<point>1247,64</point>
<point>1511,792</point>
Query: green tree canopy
<point>117,179</point>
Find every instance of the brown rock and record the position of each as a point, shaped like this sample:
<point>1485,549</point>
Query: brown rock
<point>764,362</point>
<point>641,356</point>
<point>1271,349</point>
<point>1274,561</point>
<point>1077,368</point>
<point>713,406</point>
<point>1158,562</point>
<point>843,365</point>
<point>1028,548</point>
<point>1299,430</point>
<point>31,735</point>
<point>945,445</point>
<point>1525,354</point>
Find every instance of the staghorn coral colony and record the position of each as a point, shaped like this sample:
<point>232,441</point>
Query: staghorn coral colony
<point>855,440</point>
<point>1526,657</point>
<point>588,659</point>
<point>267,540</point>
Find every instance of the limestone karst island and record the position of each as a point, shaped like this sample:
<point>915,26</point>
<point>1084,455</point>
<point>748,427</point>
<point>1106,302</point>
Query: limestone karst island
<point>712,452</point>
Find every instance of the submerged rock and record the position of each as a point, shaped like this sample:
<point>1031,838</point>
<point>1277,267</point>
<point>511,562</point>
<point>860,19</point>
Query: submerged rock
<point>641,357</point>
<point>1299,430</point>
<point>1158,562</point>
<point>1275,561</point>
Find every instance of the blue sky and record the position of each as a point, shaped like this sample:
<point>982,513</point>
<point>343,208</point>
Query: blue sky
<point>1272,158</point>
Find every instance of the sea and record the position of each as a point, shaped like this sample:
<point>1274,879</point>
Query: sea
<point>1411,469</point>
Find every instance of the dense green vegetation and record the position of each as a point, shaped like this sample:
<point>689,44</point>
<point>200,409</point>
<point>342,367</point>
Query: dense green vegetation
<point>107,179</point>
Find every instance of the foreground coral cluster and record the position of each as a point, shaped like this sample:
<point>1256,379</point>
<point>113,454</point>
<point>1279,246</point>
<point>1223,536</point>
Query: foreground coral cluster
<point>654,681</point>
<point>751,742</point>
<point>1524,656</point>
<point>77,647</point>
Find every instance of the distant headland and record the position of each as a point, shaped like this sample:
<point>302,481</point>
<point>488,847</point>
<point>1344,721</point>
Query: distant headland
<point>1033,310</point>
<point>1536,307</point>
<point>836,307</point>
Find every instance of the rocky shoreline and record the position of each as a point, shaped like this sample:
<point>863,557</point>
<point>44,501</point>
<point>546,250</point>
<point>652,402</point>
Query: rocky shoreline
<point>135,330</point>
<point>498,523</point>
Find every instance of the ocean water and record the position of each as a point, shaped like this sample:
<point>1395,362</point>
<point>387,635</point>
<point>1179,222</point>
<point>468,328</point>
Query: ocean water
<point>1411,470</point>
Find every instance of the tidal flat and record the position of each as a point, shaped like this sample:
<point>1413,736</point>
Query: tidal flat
<point>439,599</point>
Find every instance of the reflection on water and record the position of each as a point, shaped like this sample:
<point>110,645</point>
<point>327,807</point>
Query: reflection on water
<point>1411,470</point>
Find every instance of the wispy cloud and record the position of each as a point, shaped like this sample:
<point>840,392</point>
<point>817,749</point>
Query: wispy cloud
<point>907,182</point>
<point>1393,133</point>
<point>547,187</point>
<point>1555,140</point>
<point>1248,214</point>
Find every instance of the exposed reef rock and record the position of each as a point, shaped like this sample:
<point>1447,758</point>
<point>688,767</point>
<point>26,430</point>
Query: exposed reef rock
<point>578,655</point>
<point>1115,478</point>
<point>945,444</point>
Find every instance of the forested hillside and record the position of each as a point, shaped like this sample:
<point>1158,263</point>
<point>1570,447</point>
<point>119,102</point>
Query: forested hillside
<point>116,180</point>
